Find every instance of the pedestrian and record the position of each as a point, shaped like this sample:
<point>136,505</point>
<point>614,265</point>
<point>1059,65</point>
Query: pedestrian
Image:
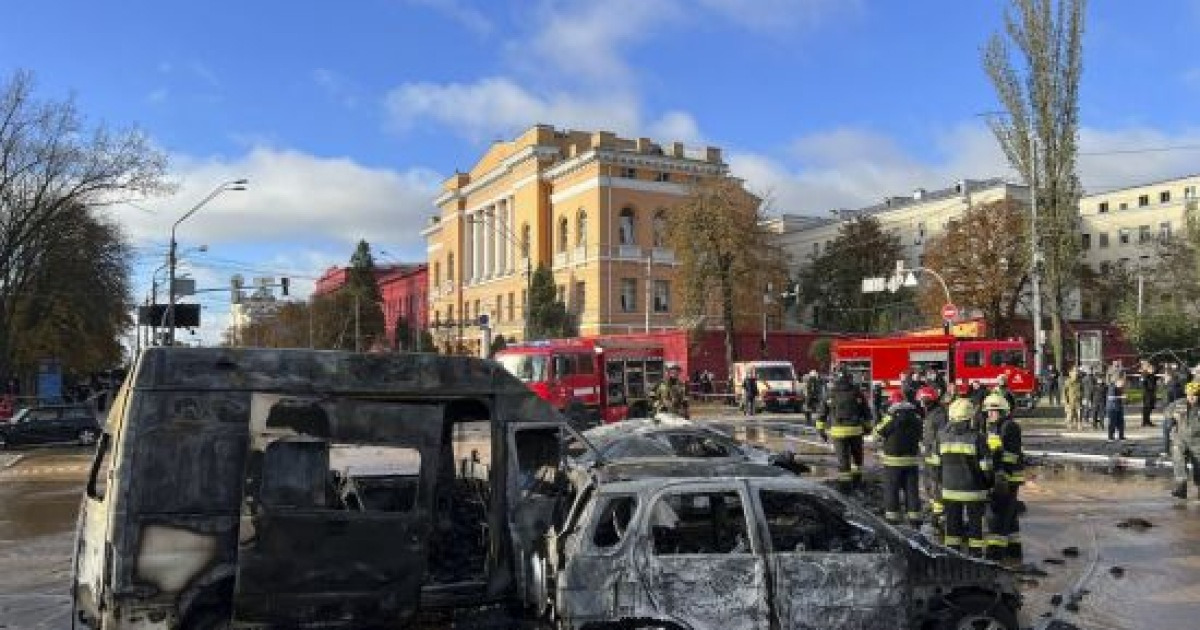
<point>1116,409</point>
<point>939,383</point>
<point>933,422</point>
<point>1099,399</point>
<point>1149,392</point>
<point>845,418</point>
<point>899,434</point>
<point>1186,416</point>
<point>1178,383</point>
<point>670,396</point>
<point>876,402</point>
<point>1072,398</point>
<point>966,467</point>
<point>812,395</point>
<point>1052,386</point>
<point>749,392</point>
<point>1086,383</point>
<point>1004,442</point>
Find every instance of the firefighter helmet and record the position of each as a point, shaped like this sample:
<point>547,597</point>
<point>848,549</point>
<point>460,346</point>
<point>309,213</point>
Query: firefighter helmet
<point>896,397</point>
<point>1192,389</point>
<point>995,402</point>
<point>961,410</point>
<point>927,393</point>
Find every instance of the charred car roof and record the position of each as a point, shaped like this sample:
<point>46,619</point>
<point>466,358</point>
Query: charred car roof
<point>674,468</point>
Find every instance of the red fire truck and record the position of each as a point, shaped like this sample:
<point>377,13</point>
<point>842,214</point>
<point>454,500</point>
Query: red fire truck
<point>611,379</point>
<point>882,361</point>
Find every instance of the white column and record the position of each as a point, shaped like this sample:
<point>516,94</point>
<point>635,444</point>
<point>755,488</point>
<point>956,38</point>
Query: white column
<point>516,247</point>
<point>476,250</point>
<point>502,235</point>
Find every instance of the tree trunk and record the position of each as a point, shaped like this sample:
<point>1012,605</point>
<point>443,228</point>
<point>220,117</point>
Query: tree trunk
<point>725,274</point>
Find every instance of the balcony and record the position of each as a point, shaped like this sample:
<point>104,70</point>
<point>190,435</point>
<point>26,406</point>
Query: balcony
<point>579,254</point>
<point>663,255</point>
<point>561,259</point>
<point>629,252</point>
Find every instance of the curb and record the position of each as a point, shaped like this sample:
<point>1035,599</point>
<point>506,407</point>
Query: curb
<point>1115,461</point>
<point>15,460</point>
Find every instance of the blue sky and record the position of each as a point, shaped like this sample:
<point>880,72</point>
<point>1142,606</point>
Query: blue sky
<point>346,115</point>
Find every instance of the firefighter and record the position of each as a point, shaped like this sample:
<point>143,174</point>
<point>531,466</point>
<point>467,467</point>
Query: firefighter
<point>899,434</point>
<point>670,396</point>
<point>1002,389</point>
<point>966,467</point>
<point>934,421</point>
<point>1185,414</point>
<point>1004,442</point>
<point>845,418</point>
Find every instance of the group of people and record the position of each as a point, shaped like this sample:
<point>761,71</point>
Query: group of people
<point>966,457</point>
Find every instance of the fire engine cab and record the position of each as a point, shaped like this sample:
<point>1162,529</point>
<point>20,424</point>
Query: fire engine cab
<point>884,360</point>
<point>611,380</point>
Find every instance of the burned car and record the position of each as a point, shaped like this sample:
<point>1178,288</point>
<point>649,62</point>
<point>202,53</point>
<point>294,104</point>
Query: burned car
<point>671,436</point>
<point>720,545</point>
<point>266,488</point>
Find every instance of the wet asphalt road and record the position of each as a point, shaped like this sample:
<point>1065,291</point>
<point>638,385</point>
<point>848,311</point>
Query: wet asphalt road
<point>1159,587</point>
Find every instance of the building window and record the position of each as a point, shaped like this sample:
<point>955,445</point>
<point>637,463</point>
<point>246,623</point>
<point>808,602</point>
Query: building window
<point>511,307</point>
<point>562,234</point>
<point>526,239</point>
<point>1164,231</point>
<point>1164,196</point>
<point>625,227</point>
<point>662,296</point>
<point>450,314</point>
<point>560,293</point>
<point>581,228</point>
<point>477,311</point>
<point>450,267</point>
<point>1103,207</point>
<point>437,316</point>
<point>1102,240</point>
<point>580,298</point>
<point>499,312</point>
<point>816,249</point>
<point>1143,201</point>
<point>660,228</point>
<point>1124,236</point>
<point>1143,234</point>
<point>662,177</point>
<point>628,295</point>
<point>1123,206</point>
<point>920,233</point>
<point>1189,192</point>
<point>1105,268</point>
<point>1085,241</point>
<point>437,274</point>
<point>1123,263</point>
<point>629,173</point>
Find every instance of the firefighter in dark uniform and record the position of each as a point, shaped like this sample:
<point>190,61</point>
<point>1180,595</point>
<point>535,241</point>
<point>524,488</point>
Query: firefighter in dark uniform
<point>1185,413</point>
<point>846,417</point>
<point>1004,441</point>
<point>966,467</point>
<point>670,396</point>
<point>934,420</point>
<point>899,434</point>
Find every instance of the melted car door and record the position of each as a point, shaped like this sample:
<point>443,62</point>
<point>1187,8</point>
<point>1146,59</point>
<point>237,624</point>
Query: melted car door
<point>336,511</point>
<point>701,567</point>
<point>829,569</point>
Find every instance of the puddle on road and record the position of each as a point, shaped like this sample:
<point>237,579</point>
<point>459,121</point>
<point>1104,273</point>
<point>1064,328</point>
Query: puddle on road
<point>32,510</point>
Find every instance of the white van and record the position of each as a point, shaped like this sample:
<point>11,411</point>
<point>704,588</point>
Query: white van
<point>778,387</point>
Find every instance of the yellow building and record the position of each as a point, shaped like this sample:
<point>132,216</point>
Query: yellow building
<point>590,206</point>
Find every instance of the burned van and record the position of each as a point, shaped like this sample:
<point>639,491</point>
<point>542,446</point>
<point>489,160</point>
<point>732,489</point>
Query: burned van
<point>265,488</point>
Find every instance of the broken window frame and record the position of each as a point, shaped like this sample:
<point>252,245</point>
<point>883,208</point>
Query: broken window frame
<point>830,510</point>
<point>603,516</point>
<point>709,491</point>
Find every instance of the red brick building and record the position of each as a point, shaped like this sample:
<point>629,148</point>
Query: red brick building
<point>405,291</point>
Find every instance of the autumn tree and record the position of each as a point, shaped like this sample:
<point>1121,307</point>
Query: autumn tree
<point>726,257</point>
<point>831,284</point>
<point>984,258</point>
<point>54,171</point>
<point>1038,86</point>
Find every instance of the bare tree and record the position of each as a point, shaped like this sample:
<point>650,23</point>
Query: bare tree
<point>51,164</point>
<point>1038,85</point>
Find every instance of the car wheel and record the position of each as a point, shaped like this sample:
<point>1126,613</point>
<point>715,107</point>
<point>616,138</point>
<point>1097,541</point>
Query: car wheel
<point>981,612</point>
<point>87,437</point>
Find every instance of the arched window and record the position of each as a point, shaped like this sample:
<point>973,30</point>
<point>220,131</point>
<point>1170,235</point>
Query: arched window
<point>660,228</point>
<point>581,228</point>
<point>625,227</point>
<point>562,234</point>
<point>450,267</point>
<point>526,239</point>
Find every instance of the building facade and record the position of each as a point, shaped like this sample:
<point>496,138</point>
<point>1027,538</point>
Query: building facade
<point>1126,226</point>
<point>589,206</point>
<point>404,289</point>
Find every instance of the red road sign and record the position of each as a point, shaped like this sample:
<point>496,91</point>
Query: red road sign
<point>949,312</point>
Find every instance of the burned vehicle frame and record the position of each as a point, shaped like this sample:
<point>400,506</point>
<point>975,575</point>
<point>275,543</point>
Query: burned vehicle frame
<point>703,545</point>
<point>298,488</point>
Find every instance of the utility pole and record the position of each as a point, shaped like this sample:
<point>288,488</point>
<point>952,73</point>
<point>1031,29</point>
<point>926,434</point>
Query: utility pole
<point>1036,262</point>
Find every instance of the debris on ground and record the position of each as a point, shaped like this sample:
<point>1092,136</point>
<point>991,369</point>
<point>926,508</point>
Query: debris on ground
<point>1030,568</point>
<point>1029,582</point>
<point>1053,561</point>
<point>1117,572</point>
<point>1071,552</point>
<point>1136,524</point>
<point>1058,624</point>
<point>1056,600</point>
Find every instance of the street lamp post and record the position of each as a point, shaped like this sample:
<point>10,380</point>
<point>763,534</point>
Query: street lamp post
<point>172,260</point>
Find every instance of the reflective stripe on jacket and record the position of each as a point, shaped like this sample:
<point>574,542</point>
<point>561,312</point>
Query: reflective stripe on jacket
<point>966,463</point>
<point>900,431</point>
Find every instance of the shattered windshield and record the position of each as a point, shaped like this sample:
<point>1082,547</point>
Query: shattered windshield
<point>527,367</point>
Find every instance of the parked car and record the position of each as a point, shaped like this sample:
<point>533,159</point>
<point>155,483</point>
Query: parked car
<point>702,544</point>
<point>51,424</point>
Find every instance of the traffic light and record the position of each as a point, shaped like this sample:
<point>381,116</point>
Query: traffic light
<point>283,286</point>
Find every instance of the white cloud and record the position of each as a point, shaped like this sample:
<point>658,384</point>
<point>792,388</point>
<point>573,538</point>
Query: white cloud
<point>677,126</point>
<point>781,16</point>
<point>470,18</point>
<point>291,197</point>
<point>338,87</point>
<point>1115,158</point>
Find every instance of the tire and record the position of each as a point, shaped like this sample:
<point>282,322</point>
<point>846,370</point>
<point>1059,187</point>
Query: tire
<point>980,612</point>
<point>87,437</point>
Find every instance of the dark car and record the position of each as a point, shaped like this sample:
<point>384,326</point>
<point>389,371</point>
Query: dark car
<point>51,424</point>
